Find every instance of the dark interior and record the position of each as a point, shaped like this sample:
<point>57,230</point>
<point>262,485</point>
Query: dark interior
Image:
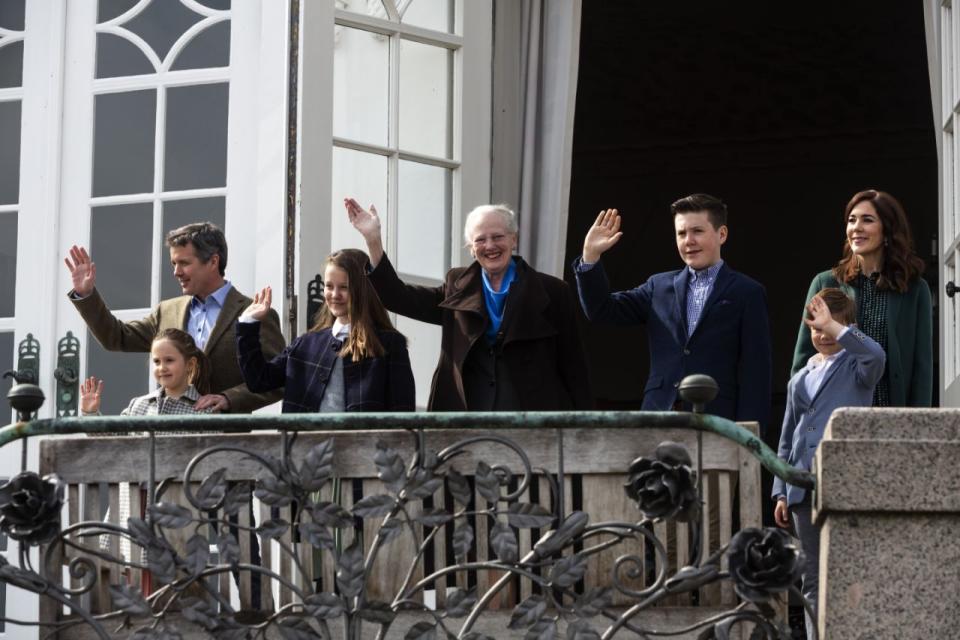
<point>783,112</point>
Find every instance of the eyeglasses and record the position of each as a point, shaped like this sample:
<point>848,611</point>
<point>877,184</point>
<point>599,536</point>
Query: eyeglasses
<point>496,238</point>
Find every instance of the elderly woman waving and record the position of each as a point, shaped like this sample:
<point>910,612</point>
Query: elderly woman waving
<point>509,341</point>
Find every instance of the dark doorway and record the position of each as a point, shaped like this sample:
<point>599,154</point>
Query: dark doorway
<point>783,112</point>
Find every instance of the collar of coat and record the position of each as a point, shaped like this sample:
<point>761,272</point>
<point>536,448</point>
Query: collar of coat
<point>522,321</point>
<point>233,306</point>
<point>190,394</point>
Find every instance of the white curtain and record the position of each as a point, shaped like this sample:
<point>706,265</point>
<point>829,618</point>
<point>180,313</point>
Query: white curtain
<point>536,55</point>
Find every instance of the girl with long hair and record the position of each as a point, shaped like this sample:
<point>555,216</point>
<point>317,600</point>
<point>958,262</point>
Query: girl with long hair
<point>352,359</point>
<point>881,272</point>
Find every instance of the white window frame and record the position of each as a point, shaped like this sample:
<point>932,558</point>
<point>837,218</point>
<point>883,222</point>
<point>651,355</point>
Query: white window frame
<point>470,162</point>
<point>471,157</point>
<point>943,54</point>
<point>35,296</point>
<point>256,146</point>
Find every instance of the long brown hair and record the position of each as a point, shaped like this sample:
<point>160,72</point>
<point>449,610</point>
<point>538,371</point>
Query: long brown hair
<point>200,376</point>
<point>367,313</point>
<point>900,264</point>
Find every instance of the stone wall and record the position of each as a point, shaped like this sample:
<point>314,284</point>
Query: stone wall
<point>888,502</point>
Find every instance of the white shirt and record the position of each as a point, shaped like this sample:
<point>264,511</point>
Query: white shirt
<point>817,368</point>
<point>339,328</point>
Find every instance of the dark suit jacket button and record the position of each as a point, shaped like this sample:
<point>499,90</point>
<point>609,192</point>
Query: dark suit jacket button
<point>686,352</point>
<point>493,383</point>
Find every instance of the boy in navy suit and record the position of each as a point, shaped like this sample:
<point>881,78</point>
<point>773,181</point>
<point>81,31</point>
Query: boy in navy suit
<point>705,318</point>
<point>843,373</point>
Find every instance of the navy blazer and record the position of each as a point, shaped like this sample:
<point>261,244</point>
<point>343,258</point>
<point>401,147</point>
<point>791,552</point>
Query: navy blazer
<point>731,342</point>
<point>384,383</point>
<point>849,382</point>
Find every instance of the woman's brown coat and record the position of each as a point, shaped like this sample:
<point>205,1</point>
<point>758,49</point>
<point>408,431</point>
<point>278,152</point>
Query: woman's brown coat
<point>540,344</point>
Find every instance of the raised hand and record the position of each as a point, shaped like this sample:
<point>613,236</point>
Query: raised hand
<point>604,233</point>
<point>91,391</point>
<point>822,320</point>
<point>367,222</point>
<point>364,221</point>
<point>83,271</point>
<point>261,304</point>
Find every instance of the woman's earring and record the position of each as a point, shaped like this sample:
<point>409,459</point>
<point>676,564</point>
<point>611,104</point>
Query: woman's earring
<point>886,242</point>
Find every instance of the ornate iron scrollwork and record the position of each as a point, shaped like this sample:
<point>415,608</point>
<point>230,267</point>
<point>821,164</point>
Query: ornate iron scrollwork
<point>762,563</point>
<point>67,375</point>
<point>314,298</point>
<point>28,362</point>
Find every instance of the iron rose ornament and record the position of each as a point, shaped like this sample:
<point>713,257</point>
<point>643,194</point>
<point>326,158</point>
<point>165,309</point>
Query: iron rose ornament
<point>30,507</point>
<point>666,486</point>
<point>763,562</point>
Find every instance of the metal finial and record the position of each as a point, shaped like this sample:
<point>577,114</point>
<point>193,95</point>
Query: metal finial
<point>25,399</point>
<point>698,390</point>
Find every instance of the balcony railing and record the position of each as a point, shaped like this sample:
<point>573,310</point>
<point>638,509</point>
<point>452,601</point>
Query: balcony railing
<point>462,525</point>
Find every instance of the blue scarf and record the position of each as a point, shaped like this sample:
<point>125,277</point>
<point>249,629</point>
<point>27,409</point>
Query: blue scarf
<point>496,300</point>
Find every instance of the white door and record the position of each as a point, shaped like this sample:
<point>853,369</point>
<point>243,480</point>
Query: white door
<point>942,27</point>
<point>173,112</point>
<point>24,32</point>
<point>119,120</point>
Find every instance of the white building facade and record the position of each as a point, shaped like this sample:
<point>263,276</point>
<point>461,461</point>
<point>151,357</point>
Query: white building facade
<point>123,119</point>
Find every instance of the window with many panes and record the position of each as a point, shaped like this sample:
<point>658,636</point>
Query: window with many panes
<point>409,131</point>
<point>11,100</point>
<point>161,91</point>
<point>394,135</point>
<point>12,34</point>
<point>947,111</point>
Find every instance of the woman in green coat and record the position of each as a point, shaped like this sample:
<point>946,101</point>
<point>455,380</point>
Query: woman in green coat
<point>881,272</point>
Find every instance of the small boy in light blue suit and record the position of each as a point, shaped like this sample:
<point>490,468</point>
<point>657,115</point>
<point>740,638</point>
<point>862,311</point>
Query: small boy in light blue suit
<point>843,373</point>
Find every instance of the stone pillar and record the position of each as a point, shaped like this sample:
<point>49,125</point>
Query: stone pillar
<point>888,502</point>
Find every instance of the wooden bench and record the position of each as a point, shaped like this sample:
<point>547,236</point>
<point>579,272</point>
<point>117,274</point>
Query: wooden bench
<point>594,471</point>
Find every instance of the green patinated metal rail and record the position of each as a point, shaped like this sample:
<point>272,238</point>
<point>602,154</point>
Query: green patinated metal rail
<point>425,421</point>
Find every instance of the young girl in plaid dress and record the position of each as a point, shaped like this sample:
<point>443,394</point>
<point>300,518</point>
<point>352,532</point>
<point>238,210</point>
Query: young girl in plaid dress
<point>179,367</point>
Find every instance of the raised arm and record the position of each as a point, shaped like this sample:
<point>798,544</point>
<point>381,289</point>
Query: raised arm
<point>259,374</point>
<point>804,349</point>
<point>91,391</point>
<point>593,288</point>
<point>367,222</point>
<point>604,233</point>
<point>83,271</point>
<point>111,333</point>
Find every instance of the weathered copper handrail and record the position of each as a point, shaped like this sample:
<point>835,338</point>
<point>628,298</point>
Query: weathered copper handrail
<point>426,421</point>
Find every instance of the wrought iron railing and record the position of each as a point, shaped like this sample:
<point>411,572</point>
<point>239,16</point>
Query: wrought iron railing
<point>762,564</point>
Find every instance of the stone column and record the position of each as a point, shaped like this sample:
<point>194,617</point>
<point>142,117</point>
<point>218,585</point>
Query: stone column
<point>888,502</point>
